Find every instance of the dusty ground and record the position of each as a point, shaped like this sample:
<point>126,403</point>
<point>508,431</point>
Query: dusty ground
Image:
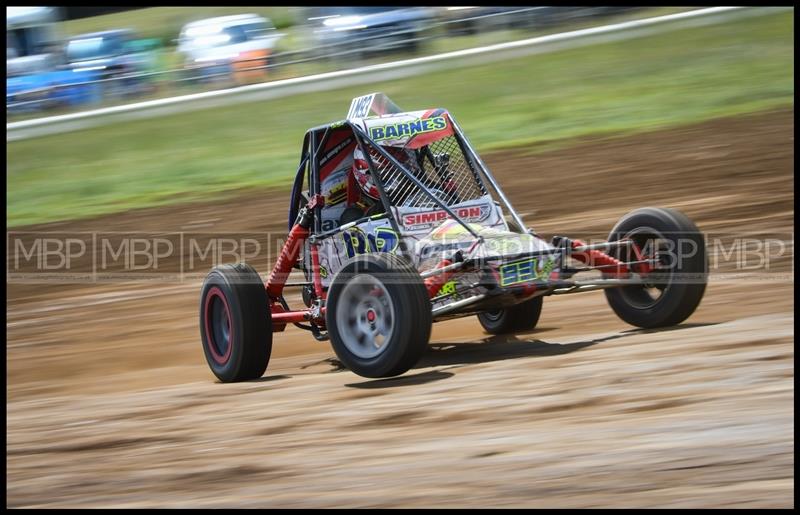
<point>110,402</point>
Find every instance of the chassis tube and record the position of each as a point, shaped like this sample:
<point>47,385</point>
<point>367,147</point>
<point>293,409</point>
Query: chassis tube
<point>455,306</point>
<point>434,283</point>
<point>602,246</point>
<point>291,249</point>
<point>283,267</point>
<point>599,259</point>
<point>315,271</point>
<point>600,284</point>
<point>291,317</point>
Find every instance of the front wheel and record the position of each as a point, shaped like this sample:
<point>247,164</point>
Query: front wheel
<point>235,323</point>
<point>672,290</point>
<point>378,315</point>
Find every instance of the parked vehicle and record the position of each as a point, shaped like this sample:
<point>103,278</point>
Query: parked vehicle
<point>214,48</point>
<point>37,77</point>
<point>356,31</point>
<point>396,223</point>
<point>111,54</point>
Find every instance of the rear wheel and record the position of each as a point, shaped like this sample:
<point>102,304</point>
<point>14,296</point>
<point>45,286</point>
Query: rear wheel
<point>235,323</point>
<point>378,315</point>
<point>672,290</point>
<point>520,317</point>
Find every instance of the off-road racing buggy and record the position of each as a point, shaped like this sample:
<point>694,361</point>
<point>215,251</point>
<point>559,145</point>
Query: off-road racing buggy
<point>395,223</point>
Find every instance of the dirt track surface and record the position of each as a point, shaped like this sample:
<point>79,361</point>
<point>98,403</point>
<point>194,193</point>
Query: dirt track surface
<point>110,402</point>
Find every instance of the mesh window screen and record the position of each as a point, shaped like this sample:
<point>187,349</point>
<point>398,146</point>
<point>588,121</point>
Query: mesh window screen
<point>441,166</point>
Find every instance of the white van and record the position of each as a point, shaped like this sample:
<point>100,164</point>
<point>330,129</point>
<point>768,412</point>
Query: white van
<point>225,38</point>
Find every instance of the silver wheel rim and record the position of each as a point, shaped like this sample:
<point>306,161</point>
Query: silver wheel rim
<point>649,293</point>
<point>365,316</point>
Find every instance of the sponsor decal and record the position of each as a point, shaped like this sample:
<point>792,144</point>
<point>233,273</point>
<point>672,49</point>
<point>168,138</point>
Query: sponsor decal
<point>447,288</point>
<point>526,270</point>
<point>334,151</point>
<point>329,225</point>
<point>429,218</point>
<point>338,190</point>
<point>382,239</point>
<point>407,129</point>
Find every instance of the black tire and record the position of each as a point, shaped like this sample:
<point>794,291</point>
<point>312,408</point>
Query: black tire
<point>679,281</point>
<point>520,317</point>
<point>235,323</point>
<point>388,285</point>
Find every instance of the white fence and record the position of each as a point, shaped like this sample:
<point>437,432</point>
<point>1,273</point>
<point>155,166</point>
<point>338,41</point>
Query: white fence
<point>376,73</point>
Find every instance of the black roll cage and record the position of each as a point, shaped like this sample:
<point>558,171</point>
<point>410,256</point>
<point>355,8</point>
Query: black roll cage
<point>314,144</point>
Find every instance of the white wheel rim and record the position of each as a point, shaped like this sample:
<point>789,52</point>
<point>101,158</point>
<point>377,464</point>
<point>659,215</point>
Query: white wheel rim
<point>365,316</point>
